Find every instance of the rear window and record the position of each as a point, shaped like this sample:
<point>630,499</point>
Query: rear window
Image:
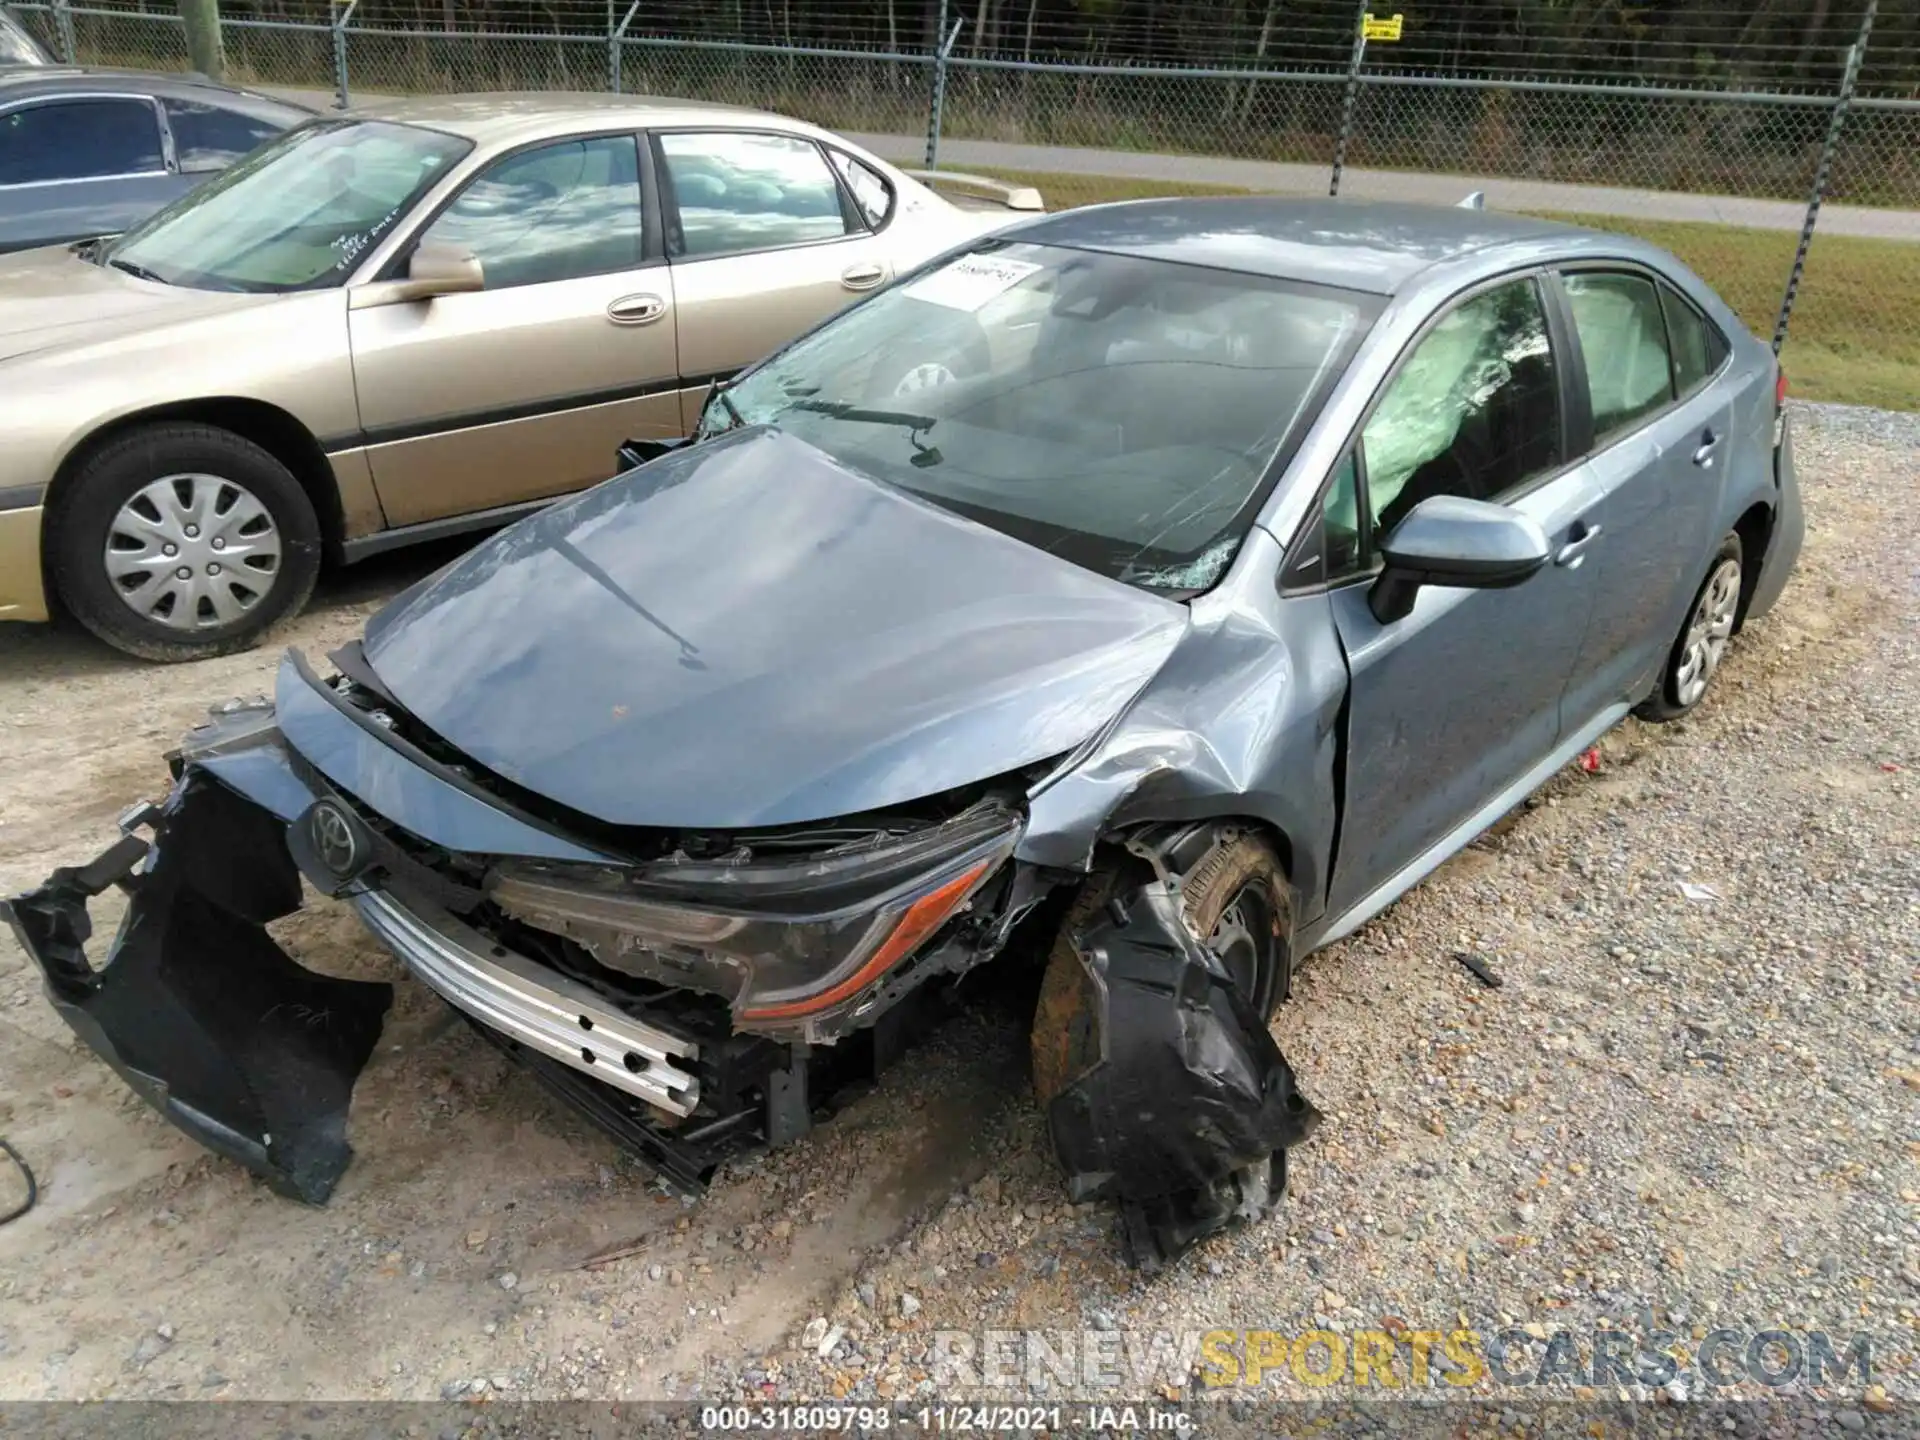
<point>79,140</point>
<point>207,137</point>
<point>1698,346</point>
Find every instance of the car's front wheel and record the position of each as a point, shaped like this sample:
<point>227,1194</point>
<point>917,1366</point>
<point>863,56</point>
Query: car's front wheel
<point>1702,643</point>
<point>180,541</point>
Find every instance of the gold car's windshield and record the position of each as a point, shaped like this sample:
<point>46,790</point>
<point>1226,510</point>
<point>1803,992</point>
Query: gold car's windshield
<point>1127,414</point>
<point>296,215</point>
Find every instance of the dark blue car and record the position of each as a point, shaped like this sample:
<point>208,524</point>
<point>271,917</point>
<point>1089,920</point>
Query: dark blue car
<point>94,152</point>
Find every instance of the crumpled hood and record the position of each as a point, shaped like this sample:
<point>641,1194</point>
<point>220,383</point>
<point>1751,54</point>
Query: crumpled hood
<point>746,633</point>
<point>51,297</point>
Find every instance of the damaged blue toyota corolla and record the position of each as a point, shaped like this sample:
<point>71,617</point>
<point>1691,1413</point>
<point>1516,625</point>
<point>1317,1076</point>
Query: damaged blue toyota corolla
<point>1183,580</point>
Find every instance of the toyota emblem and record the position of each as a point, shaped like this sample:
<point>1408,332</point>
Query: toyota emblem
<point>336,839</point>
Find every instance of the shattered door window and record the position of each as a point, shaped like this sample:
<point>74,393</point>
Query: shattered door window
<point>1474,411</point>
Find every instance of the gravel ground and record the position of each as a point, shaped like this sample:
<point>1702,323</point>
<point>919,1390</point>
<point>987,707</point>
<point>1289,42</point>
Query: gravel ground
<point>1682,1110</point>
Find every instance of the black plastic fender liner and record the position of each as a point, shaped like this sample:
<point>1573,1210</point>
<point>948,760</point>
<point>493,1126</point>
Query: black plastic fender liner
<point>1183,1106</point>
<point>210,1021</point>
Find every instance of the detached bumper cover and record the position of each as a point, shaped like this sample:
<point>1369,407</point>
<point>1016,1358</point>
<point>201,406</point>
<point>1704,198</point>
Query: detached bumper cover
<point>198,1009</point>
<point>216,1027</point>
<point>1183,1108</point>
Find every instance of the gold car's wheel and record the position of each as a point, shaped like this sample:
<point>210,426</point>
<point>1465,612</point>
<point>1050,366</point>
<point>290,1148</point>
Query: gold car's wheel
<point>178,541</point>
<point>193,552</point>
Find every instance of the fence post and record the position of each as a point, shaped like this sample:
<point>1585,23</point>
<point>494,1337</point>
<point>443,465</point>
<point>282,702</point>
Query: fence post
<point>63,22</point>
<point>1353,93</point>
<point>944,40</point>
<point>201,21</point>
<point>341,96</point>
<point>616,43</point>
<point>1856,54</point>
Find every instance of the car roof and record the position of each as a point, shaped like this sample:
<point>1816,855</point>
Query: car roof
<point>510,117</point>
<point>1367,245</point>
<point>27,81</point>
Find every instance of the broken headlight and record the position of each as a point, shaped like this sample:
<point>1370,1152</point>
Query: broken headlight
<point>788,940</point>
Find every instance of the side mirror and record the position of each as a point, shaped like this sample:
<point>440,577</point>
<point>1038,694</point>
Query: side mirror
<point>1451,541</point>
<point>432,270</point>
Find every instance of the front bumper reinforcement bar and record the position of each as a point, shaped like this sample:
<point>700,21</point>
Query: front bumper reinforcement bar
<point>545,1012</point>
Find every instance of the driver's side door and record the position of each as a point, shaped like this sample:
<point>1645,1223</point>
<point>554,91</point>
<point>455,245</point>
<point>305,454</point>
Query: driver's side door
<point>1453,703</point>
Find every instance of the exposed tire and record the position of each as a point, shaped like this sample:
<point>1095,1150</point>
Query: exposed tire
<point>1063,1044</point>
<point>181,541</point>
<point>1161,1113</point>
<point>1701,645</point>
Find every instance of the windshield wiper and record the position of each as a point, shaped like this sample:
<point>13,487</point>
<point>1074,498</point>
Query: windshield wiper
<point>734,417</point>
<point>842,410</point>
<point>139,272</point>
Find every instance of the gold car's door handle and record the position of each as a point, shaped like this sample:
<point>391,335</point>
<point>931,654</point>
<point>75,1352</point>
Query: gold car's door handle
<point>636,309</point>
<point>862,277</point>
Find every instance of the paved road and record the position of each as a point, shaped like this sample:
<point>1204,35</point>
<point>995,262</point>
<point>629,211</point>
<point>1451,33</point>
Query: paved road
<point>1372,184</point>
<point>1400,185</point>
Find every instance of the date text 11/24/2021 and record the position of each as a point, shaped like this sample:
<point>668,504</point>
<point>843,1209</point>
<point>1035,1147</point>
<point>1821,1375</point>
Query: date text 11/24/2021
<point>944,1419</point>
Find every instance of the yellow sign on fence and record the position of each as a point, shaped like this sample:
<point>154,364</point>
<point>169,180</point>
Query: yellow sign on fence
<point>1380,27</point>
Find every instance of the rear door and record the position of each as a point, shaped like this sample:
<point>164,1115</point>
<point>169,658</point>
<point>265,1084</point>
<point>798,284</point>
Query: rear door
<point>74,166</point>
<point>523,390</point>
<point>1660,432</point>
<point>765,240</point>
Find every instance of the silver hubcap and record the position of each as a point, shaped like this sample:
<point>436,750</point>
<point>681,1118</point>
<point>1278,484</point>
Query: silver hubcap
<point>193,552</point>
<point>1708,632</point>
<point>923,377</point>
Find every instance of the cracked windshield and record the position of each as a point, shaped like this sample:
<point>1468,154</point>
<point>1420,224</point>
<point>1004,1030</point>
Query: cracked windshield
<point>294,216</point>
<point>1122,413</point>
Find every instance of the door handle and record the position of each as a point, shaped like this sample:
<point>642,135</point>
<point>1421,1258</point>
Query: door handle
<point>1571,553</point>
<point>1703,456</point>
<point>862,277</point>
<point>636,309</point>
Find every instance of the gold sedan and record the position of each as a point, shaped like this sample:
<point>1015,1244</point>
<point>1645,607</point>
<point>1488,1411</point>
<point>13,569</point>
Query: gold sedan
<point>425,317</point>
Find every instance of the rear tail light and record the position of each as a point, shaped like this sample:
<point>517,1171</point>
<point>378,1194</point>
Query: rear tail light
<point>1779,389</point>
<point>1779,408</point>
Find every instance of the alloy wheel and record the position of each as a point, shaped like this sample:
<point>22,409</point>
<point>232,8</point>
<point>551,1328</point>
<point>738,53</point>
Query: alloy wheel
<point>1708,632</point>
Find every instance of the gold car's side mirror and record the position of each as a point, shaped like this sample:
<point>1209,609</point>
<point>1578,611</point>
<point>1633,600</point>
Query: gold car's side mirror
<point>433,270</point>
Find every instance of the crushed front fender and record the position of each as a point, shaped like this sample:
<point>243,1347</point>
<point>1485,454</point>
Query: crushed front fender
<point>197,1008</point>
<point>1180,1107</point>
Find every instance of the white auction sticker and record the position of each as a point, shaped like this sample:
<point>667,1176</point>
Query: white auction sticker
<point>971,281</point>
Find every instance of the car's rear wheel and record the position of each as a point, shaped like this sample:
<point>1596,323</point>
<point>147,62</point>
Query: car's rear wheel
<point>180,541</point>
<point>1702,643</point>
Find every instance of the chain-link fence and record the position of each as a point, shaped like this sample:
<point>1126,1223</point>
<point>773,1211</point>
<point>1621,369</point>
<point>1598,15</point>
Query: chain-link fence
<point>1299,88</point>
